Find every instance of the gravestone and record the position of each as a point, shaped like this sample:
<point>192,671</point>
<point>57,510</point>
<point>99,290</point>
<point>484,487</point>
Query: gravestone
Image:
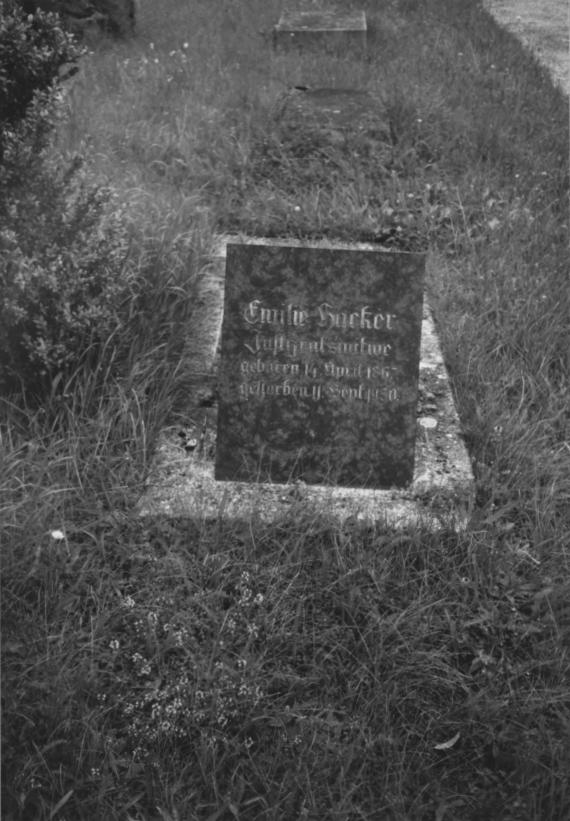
<point>330,30</point>
<point>339,108</point>
<point>319,365</point>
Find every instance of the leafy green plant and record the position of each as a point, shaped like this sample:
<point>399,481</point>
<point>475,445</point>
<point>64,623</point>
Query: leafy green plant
<point>65,276</point>
<point>63,264</point>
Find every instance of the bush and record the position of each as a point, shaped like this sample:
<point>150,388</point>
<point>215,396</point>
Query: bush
<point>64,277</point>
<point>33,50</point>
<point>63,261</point>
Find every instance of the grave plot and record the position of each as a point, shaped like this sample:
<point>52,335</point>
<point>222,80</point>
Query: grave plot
<point>440,489</point>
<point>319,376</point>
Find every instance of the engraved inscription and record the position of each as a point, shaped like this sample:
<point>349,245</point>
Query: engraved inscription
<point>299,356</point>
<point>319,365</point>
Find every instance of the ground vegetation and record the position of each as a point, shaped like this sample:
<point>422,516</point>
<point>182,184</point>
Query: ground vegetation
<point>167,669</point>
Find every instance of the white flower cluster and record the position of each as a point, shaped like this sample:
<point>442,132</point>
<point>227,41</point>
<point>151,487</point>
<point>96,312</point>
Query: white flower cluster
<point>176,694</point>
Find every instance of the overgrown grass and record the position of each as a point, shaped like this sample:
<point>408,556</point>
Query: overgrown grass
<point>177,670</point>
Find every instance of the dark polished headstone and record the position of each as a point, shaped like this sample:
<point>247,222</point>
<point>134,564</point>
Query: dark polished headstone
<point>319,365</point>
<point>329,29</point>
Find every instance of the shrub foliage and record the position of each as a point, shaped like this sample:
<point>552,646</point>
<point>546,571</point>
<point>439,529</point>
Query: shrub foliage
<point>63,270</point>
<point>33,50</point>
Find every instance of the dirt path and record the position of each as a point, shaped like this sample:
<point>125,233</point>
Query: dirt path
<point>542,25</point>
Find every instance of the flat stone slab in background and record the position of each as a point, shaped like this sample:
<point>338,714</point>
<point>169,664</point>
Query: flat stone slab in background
<point>330,30</point>
<point>441,493</point>
<point>336,108</point>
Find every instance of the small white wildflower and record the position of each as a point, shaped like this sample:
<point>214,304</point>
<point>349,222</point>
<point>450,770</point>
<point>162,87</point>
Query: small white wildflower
<point>151,46</point>
<point>152,619</point>
<point>57,535</point>
<point>129,602</point>
<point>258,599</point>
<point>184,45</point>
<point>114,644</point>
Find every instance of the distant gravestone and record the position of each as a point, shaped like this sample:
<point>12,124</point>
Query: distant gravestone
<point>329,29</point>
<point>340,108</point>
<point>319,365</point>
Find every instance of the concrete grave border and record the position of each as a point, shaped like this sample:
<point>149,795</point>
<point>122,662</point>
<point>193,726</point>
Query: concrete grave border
<point>442,491</point>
